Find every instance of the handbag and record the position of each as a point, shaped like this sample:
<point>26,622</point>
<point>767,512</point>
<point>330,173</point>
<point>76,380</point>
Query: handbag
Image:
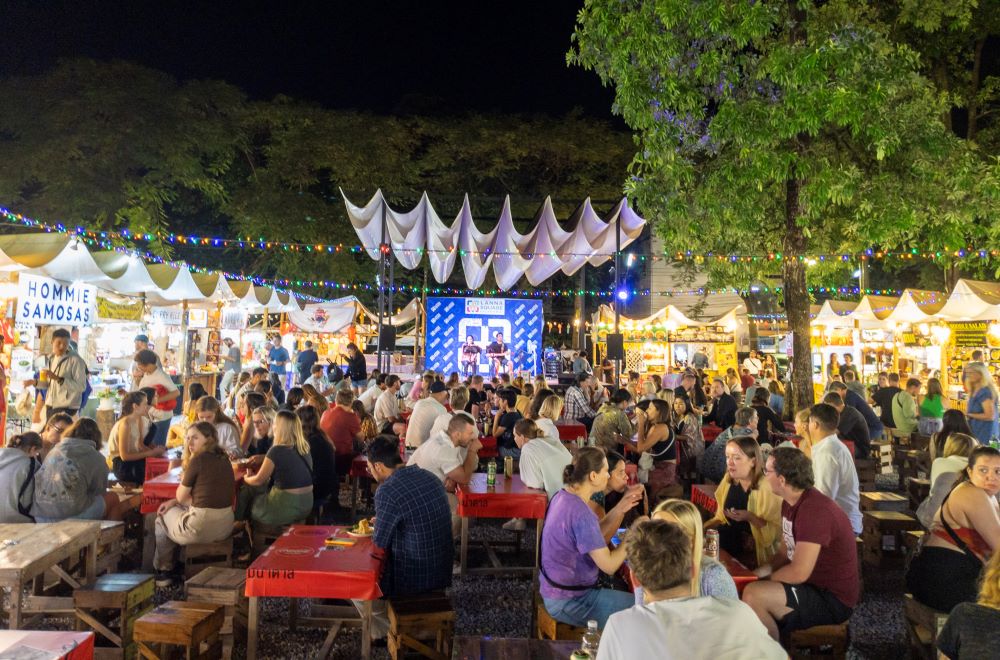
<point>648,460</point>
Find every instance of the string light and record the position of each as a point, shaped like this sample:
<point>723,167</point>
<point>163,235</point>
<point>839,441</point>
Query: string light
<point>265,245</point>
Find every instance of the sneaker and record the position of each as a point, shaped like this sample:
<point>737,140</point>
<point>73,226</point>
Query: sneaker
<point>515,525</point>
<point>164,579</point>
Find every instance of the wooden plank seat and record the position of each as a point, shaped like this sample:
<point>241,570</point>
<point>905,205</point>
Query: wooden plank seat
<point>109,546</point>
<point>917,490</point>
<point>883,501</point>
<point>923,625</point>
<point>882,533</point>
<point>819,641</point>
<point>223,586</point>
<point>866,469</point>
<point>191,625</point>
<point>546,627</point>
<point>110,607</point>
<point>197,556</point>
<point>414,621</point>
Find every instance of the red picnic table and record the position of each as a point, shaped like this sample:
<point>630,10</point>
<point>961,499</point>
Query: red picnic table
<point>299,565</point>
<point>163,487</point>
<point>571,431</point>
<point>509,498</point>
<point>704,496</point>
<point>51,645</point>
<point>489,449</point>
<point>710,432</point>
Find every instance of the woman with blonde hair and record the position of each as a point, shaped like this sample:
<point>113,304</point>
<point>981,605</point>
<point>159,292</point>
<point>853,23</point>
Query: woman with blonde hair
<point>647,391</point>
<point>288,468</point>
<point>548,413</point>
<point>207,409</point>
<point>202,509</point>
<point>802,430</point>
<point>973,629</point>
<point>945,471</point>
<point>982,408</point>
<point>312,397</point>
<point>709,578</point>
<point>749,515</point>
<point>777,398</point>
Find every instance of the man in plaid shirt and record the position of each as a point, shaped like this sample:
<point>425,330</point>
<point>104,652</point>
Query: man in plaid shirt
<point>578,405</point>
<point>412,526</point>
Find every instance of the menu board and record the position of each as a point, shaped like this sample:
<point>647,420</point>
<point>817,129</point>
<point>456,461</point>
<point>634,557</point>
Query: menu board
<point>969,333</point>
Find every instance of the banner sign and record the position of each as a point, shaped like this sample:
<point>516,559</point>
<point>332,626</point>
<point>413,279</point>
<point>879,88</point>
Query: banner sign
<point>451,321</point>
<point>167,315</point>
<point>971,333</point>
<point>113,311</point>
<point>44,301</point>
<point>197,318</point>
<point>234,318</point>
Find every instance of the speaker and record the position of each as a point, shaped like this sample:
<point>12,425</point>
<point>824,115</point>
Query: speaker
<point>616,346</point>
<point>387,337</point>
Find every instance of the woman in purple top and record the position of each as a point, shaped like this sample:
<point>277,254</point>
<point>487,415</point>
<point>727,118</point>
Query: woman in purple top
<point>573,548</point>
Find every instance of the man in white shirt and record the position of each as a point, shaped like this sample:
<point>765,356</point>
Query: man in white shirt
<point>833,466</point>
<point>753,364</point>
<point>542,462</point>
<point>386,411</point>
<point>418,427</point>
<point>452,457</point>
<point>320,382</point>
<point>374,391</point>
<point>673,622</point>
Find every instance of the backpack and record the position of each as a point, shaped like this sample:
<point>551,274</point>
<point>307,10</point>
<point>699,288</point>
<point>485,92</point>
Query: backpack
<point>28,483</point>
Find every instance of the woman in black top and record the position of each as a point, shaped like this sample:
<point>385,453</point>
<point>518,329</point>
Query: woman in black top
<point>281,491</point>
<point>657,440</point>
<point>765,417</point>
<point>323,458</point>
<point>357,369</point>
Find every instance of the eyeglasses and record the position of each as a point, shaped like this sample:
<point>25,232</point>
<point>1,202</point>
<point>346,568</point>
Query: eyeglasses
<point>60,429</point>
<point>771,471</point>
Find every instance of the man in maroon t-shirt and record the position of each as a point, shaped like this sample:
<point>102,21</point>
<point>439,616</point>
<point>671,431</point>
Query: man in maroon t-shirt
<point>814,574</point>
<point>343,427</point>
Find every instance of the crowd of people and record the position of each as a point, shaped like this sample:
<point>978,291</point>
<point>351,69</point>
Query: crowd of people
<point>788,504</point>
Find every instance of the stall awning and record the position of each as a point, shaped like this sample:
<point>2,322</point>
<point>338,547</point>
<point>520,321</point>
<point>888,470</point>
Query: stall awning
<point>972,300</point>
<point>917,306</point>
<point>835,314</point>
<point>668,315</point>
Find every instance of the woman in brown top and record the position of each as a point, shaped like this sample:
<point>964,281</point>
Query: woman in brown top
<point>202,511</point>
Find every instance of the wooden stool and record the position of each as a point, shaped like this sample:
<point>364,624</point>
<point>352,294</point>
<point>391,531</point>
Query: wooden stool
<point>923,624</point>
<point>223,586</point>
<point>187,624</point>
<point>866,468</point>
<point>882,532</point>
<point>197,556</point>
<point>121,596</point>
<point>882,501</point>
<point>415,619</point>
<point>548,628</point>
<point>261,536</point>
<point>917,490</point>
<point>109,546</point>
<point>911,539</point>
<point>882,455</point>
<point>819,641</point>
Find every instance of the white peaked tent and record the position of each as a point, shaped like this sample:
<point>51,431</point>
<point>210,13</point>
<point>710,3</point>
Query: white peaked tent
<point>835,314</point>
<point>916,306</point>
<point>537,255</point>
<point>972,300</point>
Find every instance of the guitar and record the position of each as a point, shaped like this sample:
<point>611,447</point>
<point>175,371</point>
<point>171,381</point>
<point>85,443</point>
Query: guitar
<point>499,358</point>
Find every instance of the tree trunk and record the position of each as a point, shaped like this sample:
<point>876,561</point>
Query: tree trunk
<point>793,272</point>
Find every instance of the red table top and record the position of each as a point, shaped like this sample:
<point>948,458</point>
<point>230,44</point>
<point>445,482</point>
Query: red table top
<point>489,449</point>
<point>298,565</point>
<point>68,645</point>
<point>510,498</point>
<point>571,430</point>
<point>159,489</point>
<point>710,432</point>
<point>359,467</point>
<point>741,575</point>
<point>704,496</point>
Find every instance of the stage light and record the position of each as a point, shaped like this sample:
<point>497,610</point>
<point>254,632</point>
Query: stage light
<point>622,295</point>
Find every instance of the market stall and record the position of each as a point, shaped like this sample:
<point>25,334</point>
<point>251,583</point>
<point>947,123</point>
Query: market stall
<point>972,315</point>
<point>667,341</point>
<point>919,339</point>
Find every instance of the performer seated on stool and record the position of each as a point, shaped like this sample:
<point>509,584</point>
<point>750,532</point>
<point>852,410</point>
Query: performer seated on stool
<point>470,356</point>
<point>498,353</point>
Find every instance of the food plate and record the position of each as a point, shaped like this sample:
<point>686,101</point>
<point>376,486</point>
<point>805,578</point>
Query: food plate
<point>358,535</point>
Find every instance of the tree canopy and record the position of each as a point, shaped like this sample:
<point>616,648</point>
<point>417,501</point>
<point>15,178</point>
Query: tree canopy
<point>785,128</point>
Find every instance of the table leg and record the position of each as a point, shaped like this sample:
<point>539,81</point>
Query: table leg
<point>354,496</point>
<point>293,614</point>
<point>252,614</point>
<point>538,546</point>
<point>463,551</point>
<point>90,570</point>
<point>14,622</point>
<point>148,541</point>
<point>366,630</point>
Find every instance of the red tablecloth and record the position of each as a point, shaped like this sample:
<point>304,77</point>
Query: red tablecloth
<point>510,498</point>
<point>159,489</point>
<point>710,432</point>
<point>489,449</point>
<point>156,466</point>
<point>298,565</point>
<point>704,496</point>
<point>68,645</point>
<point>571,430</point>
<point>359,467</point>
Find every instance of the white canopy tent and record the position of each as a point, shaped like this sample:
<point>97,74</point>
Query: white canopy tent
<point>972,300</point>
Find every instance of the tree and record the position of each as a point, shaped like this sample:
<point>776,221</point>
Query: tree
<point>785,128</point>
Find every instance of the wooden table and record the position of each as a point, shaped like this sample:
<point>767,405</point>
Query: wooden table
<point>501,648</point>
<point>298,565</point>
<point>30,549</point>
<point>509,498</point>
<point>59,645</point>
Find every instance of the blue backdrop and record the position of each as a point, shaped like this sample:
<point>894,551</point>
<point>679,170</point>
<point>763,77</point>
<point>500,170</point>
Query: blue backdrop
<point>451,320</point>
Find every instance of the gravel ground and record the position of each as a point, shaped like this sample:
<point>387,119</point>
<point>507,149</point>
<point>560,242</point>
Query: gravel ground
<point>501,607</point>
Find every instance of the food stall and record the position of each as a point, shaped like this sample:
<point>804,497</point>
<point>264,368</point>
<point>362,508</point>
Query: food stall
<point>667,341</point>
<point>919,338</point>
<point>972,314</point>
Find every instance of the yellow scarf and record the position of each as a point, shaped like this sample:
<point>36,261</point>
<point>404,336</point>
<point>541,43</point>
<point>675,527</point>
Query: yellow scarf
<point>762,503</point>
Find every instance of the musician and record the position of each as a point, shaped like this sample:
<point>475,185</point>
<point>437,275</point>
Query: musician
<point>470,356</point>
<point>498,353</point>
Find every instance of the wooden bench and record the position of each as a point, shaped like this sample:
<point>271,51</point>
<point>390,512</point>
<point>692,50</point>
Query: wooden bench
<point>547,627</point>
<point>882,455</point>
<point>819,641</point>
<point>883,501</point>
<point>882,533</point>
<point>198,556</point>
<point>866,469</point>
<point>923,625</point>
<point>416,619</point>
<point>116,597</point>
<point>191,625</point>
<point>223,586</point>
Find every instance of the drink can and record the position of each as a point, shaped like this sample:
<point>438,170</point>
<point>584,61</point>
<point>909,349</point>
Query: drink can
<point>491,473</point>
<point>580,442</point>
<point>508,467</point>
<point>712,543</point>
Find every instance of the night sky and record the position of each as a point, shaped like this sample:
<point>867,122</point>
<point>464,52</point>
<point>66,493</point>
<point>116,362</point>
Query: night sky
<point>426,56</point>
